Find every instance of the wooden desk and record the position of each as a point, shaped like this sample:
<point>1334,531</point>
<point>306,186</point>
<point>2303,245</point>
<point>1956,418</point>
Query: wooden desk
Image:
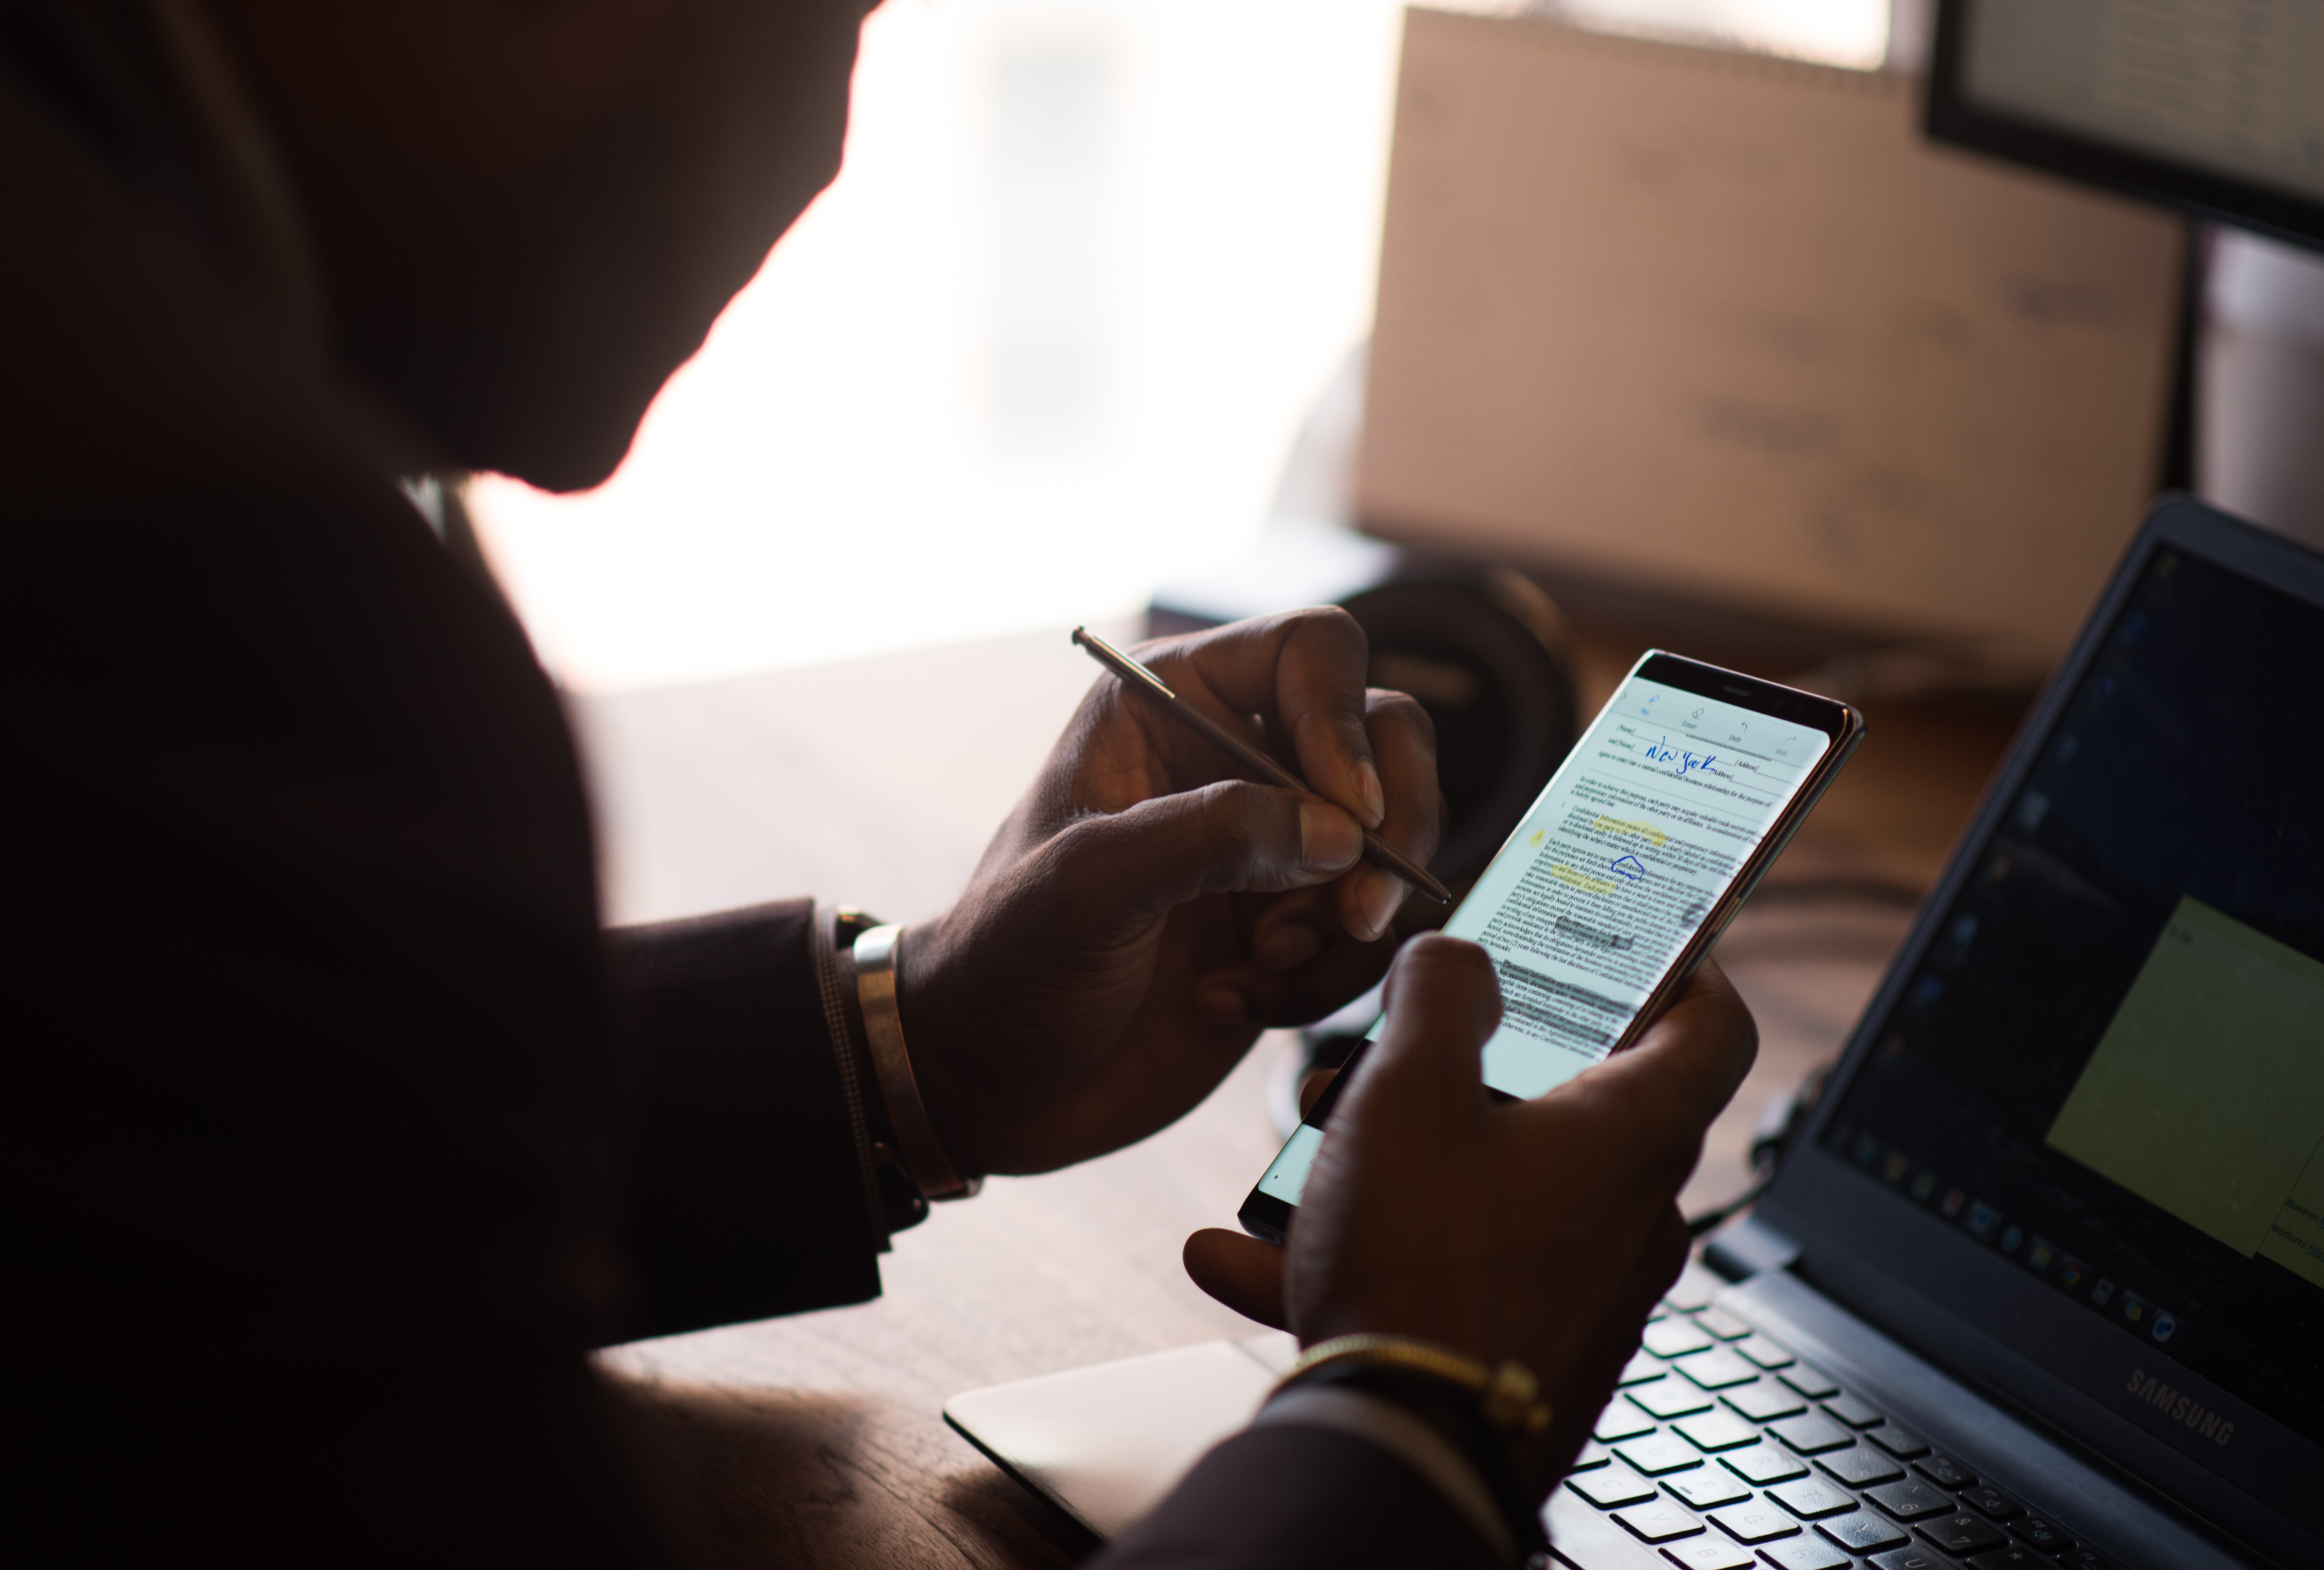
<point>817,1440</point>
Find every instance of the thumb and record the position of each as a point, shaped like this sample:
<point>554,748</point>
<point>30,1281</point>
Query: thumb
<point>1228,838</point>
<point>1241,1272</point>
<point>1443,1005</point>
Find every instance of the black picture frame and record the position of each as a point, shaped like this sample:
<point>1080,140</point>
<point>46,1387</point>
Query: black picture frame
<point>1951,115</point>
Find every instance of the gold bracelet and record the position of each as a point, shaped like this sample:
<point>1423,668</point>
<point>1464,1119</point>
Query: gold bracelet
<point>1510,1395</point>
<point>883,1026</point>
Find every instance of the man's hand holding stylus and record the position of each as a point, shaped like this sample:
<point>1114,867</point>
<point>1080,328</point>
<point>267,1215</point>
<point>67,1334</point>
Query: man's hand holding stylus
<point>1144,912</point>
<point>1541,1230</point>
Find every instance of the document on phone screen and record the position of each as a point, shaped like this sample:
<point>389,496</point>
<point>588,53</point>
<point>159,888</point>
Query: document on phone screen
<point>1646,825</point>
<point>1643,829</point>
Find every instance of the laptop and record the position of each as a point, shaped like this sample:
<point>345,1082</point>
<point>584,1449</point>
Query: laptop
<point>2041,1281</point>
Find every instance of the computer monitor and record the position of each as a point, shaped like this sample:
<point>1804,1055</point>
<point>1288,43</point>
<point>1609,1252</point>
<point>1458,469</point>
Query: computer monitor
<point>2217,109</point>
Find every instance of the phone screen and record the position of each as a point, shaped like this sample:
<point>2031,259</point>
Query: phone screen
<point>1643,829</point>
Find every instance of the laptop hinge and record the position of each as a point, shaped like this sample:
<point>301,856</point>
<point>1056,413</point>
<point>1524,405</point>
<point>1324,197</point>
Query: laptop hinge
<point>1747,1247</point>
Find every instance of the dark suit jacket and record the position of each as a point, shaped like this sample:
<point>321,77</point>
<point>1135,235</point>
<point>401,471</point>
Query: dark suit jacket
<point>334,1132</point>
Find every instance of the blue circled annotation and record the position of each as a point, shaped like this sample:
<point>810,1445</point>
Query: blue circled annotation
<point>1682,763</point>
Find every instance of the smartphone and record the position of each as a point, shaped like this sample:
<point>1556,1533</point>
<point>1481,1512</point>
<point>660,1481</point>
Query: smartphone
<point>1620,877</point>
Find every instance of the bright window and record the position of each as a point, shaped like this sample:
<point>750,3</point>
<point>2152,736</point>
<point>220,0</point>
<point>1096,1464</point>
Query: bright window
<point>1043,345</point>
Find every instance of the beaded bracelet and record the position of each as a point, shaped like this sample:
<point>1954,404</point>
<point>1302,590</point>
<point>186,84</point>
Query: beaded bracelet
<point>1509,1395</point>
<point>1481,1406</point>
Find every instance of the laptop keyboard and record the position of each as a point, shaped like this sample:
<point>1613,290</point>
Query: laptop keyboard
<point>1725,1452</point>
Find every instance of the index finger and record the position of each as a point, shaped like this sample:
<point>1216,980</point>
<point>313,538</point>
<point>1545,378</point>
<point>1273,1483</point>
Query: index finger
<point>1305,668</point>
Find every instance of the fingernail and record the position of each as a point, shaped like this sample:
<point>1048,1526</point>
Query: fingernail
<point>1222,1006</point>
<point>1382,896</point>
<point>1374,798</point>
<point>1292,943</point>
<point>1328,838</point>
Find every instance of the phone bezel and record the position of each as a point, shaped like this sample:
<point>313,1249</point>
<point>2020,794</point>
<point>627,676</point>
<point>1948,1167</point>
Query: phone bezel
<point>1267,1217</point>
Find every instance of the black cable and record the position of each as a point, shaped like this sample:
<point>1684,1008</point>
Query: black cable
<point>1719,1215</point>
<point>1779,1125</point>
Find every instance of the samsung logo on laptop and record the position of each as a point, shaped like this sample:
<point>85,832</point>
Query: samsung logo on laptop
<point>2180,1409</point>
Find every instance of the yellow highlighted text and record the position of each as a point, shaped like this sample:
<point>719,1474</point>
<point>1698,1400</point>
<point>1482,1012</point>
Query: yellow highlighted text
<point>1581,881</point>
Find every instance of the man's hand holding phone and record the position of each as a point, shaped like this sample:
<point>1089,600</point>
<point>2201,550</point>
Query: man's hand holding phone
<point>1543,1231</point>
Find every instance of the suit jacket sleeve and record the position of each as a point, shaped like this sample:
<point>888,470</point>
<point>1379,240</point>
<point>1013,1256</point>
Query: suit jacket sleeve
<point>752,1191</point>
<point>1291,1498</point>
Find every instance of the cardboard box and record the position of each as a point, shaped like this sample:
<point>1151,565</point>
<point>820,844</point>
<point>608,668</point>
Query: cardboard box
<point>1725,327</point>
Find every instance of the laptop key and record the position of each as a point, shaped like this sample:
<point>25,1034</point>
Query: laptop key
<point>1863,1532</point>
<point>1962,1533</point>
<point>1812,1435</point>
<point>1767,1354</point>
<point>1945,1471</point>
<point>1811,1496</point>
<point>1763,1402</point>
<point>1657,1454</point>
<point>1708,1553</point>
<point>1716,1431</point>
<point>1803,1554</point>
<point>2083,1559</point>
<point>1670,1399</point>
<point>1643,1366</point>
<point>1620,1421</point>
<point>1993,1504</point>
<point>1674,1338</point>
<point>1592,1457</point>
<point>1852,1411</point>
<point>1706,1489</point>
<point>1912,1557</point>
<point>1810,1382</point>
<point>1764,1465</point>
<point>2010,1558</point>
<point>1901,1443</point>
<point>1659,1522</point>
<point>1910,1499</point>
<point>1722,1324</point>
<point>1861,1466</point>
<point>1755,1522</point>
<point>1691,1293</point>
<point>1613,1488</point>
<point>1717,1369</point>
<point>2045,1535</point>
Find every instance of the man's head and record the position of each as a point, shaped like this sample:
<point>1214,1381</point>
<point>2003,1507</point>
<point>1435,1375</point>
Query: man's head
<point>530,211</point>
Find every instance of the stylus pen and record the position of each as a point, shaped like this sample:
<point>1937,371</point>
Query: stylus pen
<point>1157,691</point>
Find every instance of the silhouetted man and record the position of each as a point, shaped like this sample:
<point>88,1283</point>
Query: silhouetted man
<point>336,1133</point>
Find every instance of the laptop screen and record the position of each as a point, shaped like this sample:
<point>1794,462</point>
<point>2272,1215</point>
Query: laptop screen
<point>2108,1067</point>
